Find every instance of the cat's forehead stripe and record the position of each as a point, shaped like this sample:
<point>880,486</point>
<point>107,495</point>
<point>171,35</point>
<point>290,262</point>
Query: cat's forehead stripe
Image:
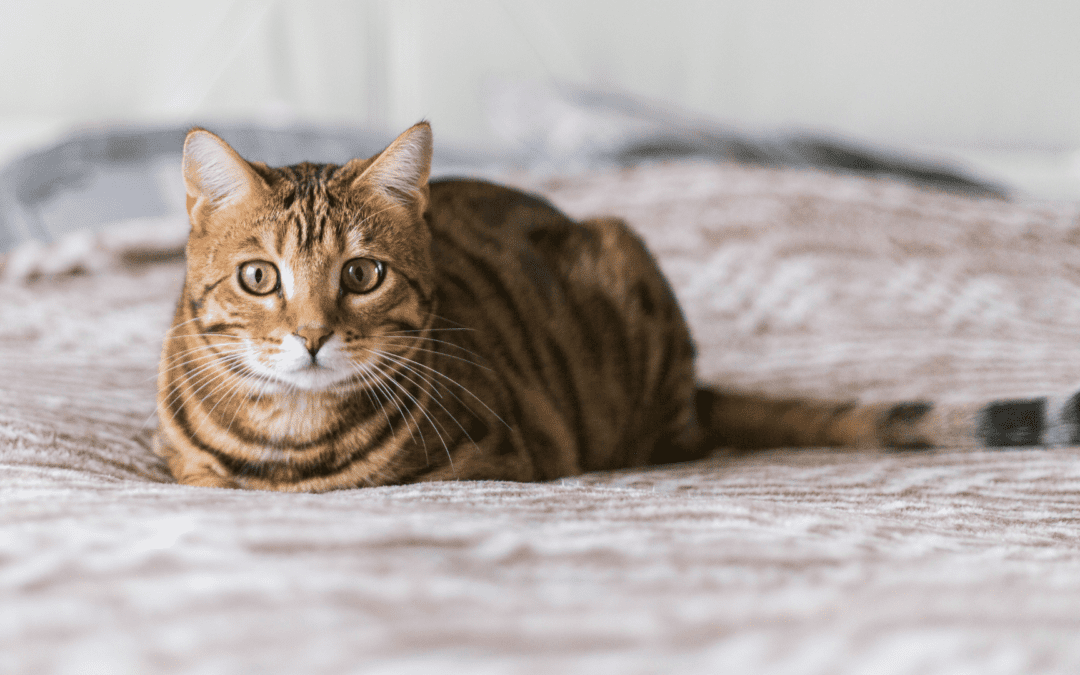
<point>357,238</point>
<point>288,281</point>
<point>312,210</point>
<point>279,238</point>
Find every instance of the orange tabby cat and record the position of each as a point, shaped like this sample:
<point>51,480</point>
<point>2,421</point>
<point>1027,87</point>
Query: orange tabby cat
<point>345,326</point>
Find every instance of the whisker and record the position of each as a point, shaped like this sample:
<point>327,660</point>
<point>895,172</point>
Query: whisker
<point>424,330</point>
<point>452,380</point>
<point>231,340</point>
<point>184,323</point>
<point>361,373</point>
<point>194,356</point>
<point>192,379</point>
<point>443,353</point>
<point>443,318</point>
<point>181,324</point>
<point>178,390</point>
<point>214,356</point>
<point>426,379</point>
<point>282,437</point>
<point>404,410</point>
<point>194,375</point>
<point>212,350</point>
<point>235,389</point>
<point>191,335</point>
<point>261,380</point>
<point>398,403</point>
<point>389,208</point>
<point>208,349</point>
<point>430,339</point>
<point>449,414</point>
<point>405,391</point>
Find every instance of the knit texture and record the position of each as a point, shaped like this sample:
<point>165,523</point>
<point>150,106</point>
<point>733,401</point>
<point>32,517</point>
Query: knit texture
<point>789,561</point>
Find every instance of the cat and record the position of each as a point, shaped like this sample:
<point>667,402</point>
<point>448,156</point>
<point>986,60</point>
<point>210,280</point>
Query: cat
<point>359,325</point>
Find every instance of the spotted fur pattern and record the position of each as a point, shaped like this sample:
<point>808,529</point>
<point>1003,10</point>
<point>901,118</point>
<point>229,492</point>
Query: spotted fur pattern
<point>356,325</point>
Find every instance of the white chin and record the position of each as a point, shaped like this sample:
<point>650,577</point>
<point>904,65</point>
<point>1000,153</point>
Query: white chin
<point>292,369</point>
<point>313,379</point>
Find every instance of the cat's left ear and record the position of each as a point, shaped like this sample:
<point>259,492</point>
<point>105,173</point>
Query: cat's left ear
<point>400,172</point>
<point>216,177</point>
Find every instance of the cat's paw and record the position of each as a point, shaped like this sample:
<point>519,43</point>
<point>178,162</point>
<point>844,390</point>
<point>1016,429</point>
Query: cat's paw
<point>208,479</point>
<point>191,471</point>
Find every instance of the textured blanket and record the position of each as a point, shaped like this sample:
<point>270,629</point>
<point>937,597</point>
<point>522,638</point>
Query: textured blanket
<point>816,561</point>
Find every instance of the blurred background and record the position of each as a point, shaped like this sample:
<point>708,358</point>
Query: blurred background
<point>989,86</point>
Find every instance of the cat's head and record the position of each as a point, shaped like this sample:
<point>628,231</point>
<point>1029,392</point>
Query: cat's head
<point>302,275</point>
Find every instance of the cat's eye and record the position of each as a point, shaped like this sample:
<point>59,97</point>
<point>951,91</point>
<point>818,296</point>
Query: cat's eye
<point>362,275</point>
<point>258,277</point>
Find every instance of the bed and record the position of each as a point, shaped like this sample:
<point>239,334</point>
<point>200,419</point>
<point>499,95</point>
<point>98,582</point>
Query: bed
<point>796,280</point>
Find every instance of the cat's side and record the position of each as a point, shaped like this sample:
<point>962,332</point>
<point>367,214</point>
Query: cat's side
<point>345,326</point>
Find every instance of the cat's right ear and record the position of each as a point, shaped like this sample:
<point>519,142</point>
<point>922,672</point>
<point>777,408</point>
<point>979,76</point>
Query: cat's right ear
<point>215,176</point>
<point>400,172</point>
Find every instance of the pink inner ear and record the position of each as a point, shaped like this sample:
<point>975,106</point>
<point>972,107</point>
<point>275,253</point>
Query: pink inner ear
<point>402,170</point>
<point>214,171</point>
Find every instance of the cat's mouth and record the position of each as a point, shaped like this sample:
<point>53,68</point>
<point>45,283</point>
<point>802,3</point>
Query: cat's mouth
<point>309,375</point>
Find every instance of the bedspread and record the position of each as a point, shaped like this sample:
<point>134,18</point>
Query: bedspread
<point>811,561</point>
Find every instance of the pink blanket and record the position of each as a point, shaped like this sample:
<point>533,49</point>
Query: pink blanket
<point>818,561</point>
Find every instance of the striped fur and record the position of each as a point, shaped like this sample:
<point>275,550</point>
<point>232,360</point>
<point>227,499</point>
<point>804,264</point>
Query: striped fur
<point>504,341</point>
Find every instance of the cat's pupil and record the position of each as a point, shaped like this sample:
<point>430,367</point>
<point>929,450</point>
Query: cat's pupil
<point>361,275</point>
<point>258,277</point>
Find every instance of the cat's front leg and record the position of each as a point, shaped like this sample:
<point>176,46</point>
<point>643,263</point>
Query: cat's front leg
<point>188,470</point>
<point>204,477</point>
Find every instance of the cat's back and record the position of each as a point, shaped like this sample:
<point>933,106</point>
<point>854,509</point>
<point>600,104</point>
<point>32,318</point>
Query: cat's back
<point>575,319</point>
<point>494,213</point>
<point>508,250</point>
<point>503,232</point>
<point>503,247</point>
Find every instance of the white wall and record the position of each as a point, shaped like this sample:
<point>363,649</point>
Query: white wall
<point>980,73</point>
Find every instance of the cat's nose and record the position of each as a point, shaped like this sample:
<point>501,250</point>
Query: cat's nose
<point>314,337</point>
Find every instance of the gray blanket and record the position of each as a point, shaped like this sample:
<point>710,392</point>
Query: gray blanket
<point>815,561</point>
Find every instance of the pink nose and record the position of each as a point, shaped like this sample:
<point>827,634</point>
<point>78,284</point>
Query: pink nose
<point>314,337</point>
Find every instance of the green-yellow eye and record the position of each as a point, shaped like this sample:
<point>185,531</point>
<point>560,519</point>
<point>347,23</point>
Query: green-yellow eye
<point>362,275</point>
<point>258,277</point>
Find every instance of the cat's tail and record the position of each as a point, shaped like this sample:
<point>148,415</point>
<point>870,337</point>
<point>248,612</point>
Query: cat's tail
<point>747,422</point>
